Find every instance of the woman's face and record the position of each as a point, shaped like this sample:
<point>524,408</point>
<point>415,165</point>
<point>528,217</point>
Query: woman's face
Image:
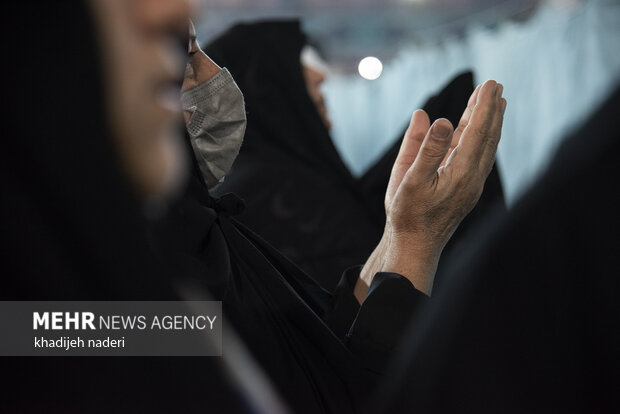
<point>200,68</point>
<point>144,58</point>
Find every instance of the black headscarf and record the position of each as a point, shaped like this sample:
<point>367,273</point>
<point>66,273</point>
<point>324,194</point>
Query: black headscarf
<point>264,59</point>
<point>72,227</point>
<point>300,196</point>
<point>324,352</point>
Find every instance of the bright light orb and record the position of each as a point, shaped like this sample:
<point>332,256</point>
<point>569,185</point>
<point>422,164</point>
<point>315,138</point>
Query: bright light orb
<point>370,68</point>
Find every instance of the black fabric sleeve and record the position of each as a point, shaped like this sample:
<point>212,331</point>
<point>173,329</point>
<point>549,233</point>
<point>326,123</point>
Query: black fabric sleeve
<point>372,330</point>
<point>344,306</point>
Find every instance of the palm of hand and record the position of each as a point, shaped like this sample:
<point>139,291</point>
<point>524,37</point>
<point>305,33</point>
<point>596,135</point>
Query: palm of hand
<point>436,182</point>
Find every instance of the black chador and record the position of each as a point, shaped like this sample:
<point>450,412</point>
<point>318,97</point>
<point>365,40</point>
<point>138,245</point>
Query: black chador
<point>528,320</point>
<point>323,351</point>
<point>299,195</point>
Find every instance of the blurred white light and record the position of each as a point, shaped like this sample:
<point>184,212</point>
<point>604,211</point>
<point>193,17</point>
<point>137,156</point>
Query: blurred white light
<point>370,68</point>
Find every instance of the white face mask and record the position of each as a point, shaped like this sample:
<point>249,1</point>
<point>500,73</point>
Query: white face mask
<point>217,125</point>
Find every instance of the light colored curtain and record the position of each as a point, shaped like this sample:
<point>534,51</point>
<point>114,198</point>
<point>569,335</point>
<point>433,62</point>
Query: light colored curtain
<point>556,68</point>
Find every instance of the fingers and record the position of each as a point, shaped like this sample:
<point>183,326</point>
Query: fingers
<point>478,141</point>
<point>433,151</point>
<point>488,156</point>
<point>463,122</point>
<point>494,134</point>
<point>414,136</point>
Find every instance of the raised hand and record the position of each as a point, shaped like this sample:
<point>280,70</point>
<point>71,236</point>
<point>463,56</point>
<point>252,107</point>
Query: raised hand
<point>436,180</point>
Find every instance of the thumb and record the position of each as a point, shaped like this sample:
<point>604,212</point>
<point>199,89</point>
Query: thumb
<point>434,149</point>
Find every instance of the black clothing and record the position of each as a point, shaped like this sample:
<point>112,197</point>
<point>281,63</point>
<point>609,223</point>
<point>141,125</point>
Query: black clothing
<point>300,196</point>
<point>71,225</point>
<point>323,352</point>
<point>528,320</point>
<point>72,230</point>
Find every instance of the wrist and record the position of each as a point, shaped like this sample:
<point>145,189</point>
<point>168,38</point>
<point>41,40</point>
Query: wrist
<point>403,253</point>
<point>372,266</point>
<point>413,259</point>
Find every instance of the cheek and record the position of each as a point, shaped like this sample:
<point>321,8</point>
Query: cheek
<point>152,164</point>
<point>163,165</point>
<point>157,167</point>
<point>151,153</point>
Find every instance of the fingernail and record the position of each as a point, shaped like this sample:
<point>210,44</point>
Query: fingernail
<point>500,89</point>
<point>441,131</point>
